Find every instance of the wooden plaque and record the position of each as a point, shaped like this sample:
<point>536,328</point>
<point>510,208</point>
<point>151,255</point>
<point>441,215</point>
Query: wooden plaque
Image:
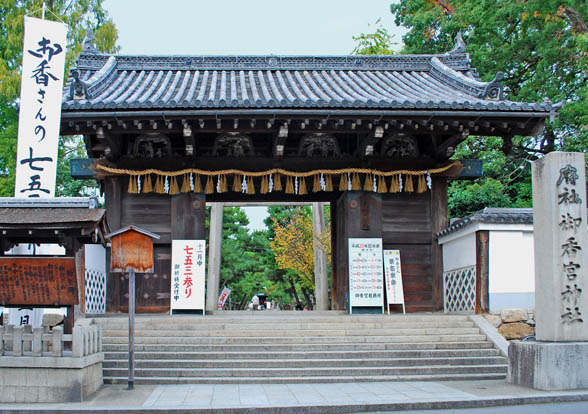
<point>38,281</point>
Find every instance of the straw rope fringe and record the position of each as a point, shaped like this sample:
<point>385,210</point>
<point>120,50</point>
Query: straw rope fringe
<point>349,178</point>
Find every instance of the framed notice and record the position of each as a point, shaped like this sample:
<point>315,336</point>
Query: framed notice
<point>38,281</point>
<point>188,274</point>
<point>394,289</point>
<point>366,274</point>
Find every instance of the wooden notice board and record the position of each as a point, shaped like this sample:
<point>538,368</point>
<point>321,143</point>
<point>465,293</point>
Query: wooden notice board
<point>38,281</point>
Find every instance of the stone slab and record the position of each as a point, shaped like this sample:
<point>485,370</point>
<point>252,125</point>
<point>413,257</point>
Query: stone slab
<point>561,247</point>
<point>548,366</point>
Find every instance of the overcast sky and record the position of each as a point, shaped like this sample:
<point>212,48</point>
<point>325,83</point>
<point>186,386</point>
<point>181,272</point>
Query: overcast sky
<point>246,27</point>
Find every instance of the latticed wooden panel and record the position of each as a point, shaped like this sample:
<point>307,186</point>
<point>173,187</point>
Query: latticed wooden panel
<point>459,290</point>
<point>95,291</point>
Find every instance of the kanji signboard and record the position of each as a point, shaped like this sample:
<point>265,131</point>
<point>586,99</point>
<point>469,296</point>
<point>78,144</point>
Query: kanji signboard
<point>40,107</point>
<point>366,273</point>
<point>188,275</point>
<point>394,289</point>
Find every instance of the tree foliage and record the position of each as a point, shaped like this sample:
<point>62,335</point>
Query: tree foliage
<point>376,43</point>
<point>293,246</point>
<point>541,46</point>
<point>80,16</point>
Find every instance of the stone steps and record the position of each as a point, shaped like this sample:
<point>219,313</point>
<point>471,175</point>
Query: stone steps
<point>307,380</point>
<point>174,364</point>
<point>266,347</point>
<point>123,347</point>
<point>365,354</point>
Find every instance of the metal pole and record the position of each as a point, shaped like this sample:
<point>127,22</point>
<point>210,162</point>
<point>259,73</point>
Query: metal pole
<point>131,328</point>
<point>43,12</point>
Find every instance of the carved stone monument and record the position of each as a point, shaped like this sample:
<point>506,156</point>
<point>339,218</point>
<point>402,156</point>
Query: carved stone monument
<point>558,358</point>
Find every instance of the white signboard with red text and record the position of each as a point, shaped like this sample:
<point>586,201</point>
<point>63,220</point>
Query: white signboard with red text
<point>43,62</point>
<point>366,274</point>
<point>394,289</point>
<point>188,275</point>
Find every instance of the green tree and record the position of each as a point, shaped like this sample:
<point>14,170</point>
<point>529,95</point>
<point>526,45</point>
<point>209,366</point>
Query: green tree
<point>541,46</point>
<point>80,16</point>
<point>376,43</point>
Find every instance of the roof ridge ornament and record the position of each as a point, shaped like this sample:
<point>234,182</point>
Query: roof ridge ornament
<point>89,43</point>
<point>494,90</point>
<point>78,89</point>
<point>459,45</point>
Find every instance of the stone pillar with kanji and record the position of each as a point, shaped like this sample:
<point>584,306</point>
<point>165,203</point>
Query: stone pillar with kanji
<point>556,358</point>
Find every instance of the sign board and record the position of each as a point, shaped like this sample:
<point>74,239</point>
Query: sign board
<point>26,316</point>
<point>223,298</point>
<point>366,274</point>
<point>188,265</point>
<point>394,289</point>
<point>38,281</point>
<point>43,62</point>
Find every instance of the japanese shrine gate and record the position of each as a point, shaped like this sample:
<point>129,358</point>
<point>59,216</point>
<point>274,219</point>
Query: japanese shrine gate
<point>371,135</point>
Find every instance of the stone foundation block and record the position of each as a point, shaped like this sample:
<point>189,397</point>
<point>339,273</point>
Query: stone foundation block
<point>548,366</point>
<point>49,379</point>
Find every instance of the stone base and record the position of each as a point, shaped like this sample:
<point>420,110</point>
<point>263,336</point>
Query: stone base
<point>49,379</point>
<point>548,366</point>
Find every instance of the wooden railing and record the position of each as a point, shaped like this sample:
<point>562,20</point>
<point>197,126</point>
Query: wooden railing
<point>37,342</point>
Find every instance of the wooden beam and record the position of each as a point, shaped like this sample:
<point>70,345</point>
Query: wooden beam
<point>482,271</point>
<point>440,221</point>
<point>442,149</point>
<point>367,144</point>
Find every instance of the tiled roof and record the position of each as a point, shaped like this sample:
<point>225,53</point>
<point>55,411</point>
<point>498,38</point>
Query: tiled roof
<point>48,216</point>
<point>443,82</point>
<point>492,215</point>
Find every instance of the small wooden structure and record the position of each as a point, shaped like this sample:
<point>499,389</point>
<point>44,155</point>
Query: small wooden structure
<point>42,281</point>
<point>132,248</point>
<point>131,251</point>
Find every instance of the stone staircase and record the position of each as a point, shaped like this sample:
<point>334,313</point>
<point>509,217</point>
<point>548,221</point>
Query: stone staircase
<point>289,347</point>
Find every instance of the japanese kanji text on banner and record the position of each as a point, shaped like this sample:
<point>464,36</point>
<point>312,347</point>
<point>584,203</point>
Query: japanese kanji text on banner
<point>188,274</point>
<point>394,290</point>
<point>43,62</point>
<point>366,273</point>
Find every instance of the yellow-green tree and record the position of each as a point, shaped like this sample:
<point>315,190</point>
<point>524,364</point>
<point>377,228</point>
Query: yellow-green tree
<point>293,247</point>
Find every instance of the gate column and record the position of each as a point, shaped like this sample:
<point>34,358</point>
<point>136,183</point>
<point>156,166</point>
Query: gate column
<point>188,216</point>
<point>358,214</point>
<point>321,280</point>
<point>214,256</point>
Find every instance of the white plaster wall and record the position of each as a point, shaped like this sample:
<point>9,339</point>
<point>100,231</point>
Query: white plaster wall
<point>511,262</point>
<point>25,249</point>
<point>95,257</point>
<point>459,252</point>
<point>511,270</point>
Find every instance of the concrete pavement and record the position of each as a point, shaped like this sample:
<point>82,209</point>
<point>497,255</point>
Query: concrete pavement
<point>332,398</point>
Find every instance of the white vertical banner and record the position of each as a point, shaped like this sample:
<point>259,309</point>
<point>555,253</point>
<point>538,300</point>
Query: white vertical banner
<point>394,289</point>
<point>188,275</point>
<point>43,62</point>
<point>222,299</point>
<point>366,274</point>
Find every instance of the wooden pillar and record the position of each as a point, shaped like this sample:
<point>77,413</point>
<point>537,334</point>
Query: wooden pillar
<point>321,280</point>
<point>214,256</point>
<point>188,216</point>
<point>439,221</point>
<point>80,262</point>
<point>359,214</point>
<point>113,204</point>
<point>482,269</point>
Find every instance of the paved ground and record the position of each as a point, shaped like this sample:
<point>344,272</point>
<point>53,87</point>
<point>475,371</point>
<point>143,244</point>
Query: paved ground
<point>311,398</point>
